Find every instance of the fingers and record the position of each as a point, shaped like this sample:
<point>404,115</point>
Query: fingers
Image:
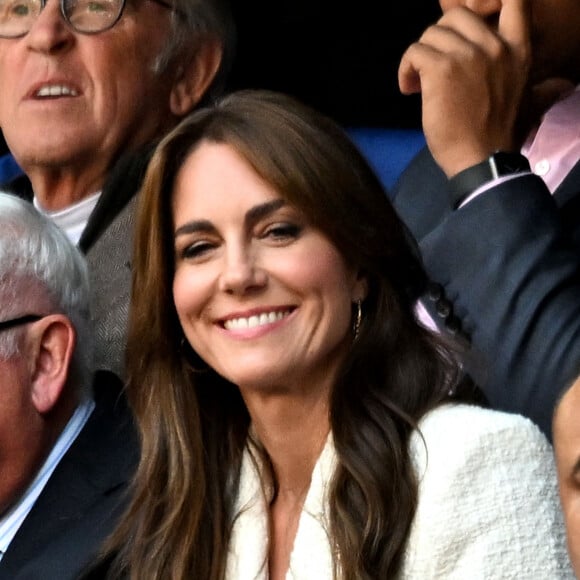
<point>411,67</point>
<point>409,75</point>
<point>462,33</point>
<point>514,27</point>
<point>460,36</point>
<point>472,77</point>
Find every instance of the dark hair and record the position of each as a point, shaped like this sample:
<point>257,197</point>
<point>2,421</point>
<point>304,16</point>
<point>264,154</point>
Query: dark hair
<point>199,21</point>
<point>193,437</point>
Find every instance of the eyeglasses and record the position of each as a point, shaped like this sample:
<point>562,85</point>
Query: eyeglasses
<point>84,16</point>
<point>27,318</point>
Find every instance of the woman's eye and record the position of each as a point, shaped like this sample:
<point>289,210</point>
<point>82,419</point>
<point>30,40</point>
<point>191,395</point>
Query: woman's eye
<point>282,231</point>
<point>196,250</point>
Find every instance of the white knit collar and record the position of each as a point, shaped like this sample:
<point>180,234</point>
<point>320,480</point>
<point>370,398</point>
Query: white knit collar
<point>311,555</point>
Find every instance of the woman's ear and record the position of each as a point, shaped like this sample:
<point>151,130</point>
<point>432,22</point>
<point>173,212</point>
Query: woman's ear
<point>51,350</point>
<point>193,79</point>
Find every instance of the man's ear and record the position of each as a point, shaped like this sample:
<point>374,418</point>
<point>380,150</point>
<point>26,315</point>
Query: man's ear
<point>193,79</point>
<point>51,350</point>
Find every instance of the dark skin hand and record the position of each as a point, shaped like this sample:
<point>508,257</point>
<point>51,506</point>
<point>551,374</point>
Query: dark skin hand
<point>473,71</point>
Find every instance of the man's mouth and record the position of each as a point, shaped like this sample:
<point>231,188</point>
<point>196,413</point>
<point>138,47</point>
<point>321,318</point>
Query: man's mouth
<point>55,91</point>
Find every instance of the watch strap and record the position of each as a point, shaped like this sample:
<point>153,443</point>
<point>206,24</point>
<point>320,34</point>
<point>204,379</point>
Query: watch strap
<point>497,165</point>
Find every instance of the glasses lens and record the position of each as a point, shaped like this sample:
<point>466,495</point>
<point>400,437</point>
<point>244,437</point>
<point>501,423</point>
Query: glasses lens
<point>17,16</point>
<point>92,15</point>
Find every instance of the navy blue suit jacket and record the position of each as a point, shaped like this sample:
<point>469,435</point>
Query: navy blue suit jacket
<point>82,500</point>
<point>505,272</point>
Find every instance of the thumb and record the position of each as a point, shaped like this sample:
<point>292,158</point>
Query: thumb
<point>514,26</point>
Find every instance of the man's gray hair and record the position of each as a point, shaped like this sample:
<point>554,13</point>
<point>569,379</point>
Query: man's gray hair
<point>35,251</point>
<point>195,22</point>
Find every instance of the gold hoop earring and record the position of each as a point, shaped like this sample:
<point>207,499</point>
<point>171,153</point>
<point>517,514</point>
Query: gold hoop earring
<point>357,319</point>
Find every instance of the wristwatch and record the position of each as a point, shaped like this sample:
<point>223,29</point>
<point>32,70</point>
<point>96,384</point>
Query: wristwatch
<point>496,165</point>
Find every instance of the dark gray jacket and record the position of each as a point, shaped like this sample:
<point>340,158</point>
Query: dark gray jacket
<point>505,272</point>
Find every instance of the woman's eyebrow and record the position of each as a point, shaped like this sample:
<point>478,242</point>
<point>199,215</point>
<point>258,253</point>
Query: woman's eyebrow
<point>252,216</point>
<point>262,210</point>
<point>194,226</point>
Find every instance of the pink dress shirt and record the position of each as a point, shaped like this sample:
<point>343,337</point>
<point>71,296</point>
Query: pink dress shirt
<point>554,148</point>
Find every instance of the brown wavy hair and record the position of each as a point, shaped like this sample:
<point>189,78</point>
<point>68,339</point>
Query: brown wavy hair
<point>194,425</point>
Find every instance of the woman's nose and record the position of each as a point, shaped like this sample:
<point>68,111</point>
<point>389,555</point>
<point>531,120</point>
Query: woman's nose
<point>241,273</point>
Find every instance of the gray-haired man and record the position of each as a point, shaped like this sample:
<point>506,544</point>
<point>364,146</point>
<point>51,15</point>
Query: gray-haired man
<point>66,454</point>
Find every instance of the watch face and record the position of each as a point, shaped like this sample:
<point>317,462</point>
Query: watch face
<point>504,163</point>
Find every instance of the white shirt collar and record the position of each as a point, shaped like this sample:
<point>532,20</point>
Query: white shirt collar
<point>72,219</point>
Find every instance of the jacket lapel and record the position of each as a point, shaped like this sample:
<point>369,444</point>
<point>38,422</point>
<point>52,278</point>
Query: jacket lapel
<point>99,463</point>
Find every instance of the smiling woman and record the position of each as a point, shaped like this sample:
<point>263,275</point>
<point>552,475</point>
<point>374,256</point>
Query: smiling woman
<point>262,295</point>
<point>286,395</point>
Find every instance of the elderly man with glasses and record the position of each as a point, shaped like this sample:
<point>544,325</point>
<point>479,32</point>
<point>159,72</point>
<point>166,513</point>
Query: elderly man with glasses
<point>87,87</point>
<point>67,445</point>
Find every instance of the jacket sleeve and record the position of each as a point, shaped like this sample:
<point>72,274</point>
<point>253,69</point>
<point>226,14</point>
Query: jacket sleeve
<point>488,504</point>
<point>507,267</point>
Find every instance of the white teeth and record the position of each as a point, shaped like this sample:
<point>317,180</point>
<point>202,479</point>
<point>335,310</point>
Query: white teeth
<point>254,321</point>
<point>56,91</point>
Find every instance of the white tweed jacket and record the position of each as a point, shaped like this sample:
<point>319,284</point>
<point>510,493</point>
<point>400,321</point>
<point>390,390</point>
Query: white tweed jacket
<point>488,506</point>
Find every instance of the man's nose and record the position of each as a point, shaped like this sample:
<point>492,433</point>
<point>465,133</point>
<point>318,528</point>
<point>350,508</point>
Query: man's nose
<point>50,32</point>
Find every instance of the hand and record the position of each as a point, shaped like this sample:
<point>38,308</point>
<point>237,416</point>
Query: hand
<point>472,79</point>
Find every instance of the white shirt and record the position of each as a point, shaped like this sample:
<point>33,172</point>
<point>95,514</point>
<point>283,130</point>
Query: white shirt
<point>13,518</point>
<point>72,219</point>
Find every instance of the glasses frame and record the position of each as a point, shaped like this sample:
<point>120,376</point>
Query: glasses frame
<point>14,322</point>
<point>163,3</point>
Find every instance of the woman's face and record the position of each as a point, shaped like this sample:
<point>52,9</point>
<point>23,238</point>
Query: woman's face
<point>263,297</point>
